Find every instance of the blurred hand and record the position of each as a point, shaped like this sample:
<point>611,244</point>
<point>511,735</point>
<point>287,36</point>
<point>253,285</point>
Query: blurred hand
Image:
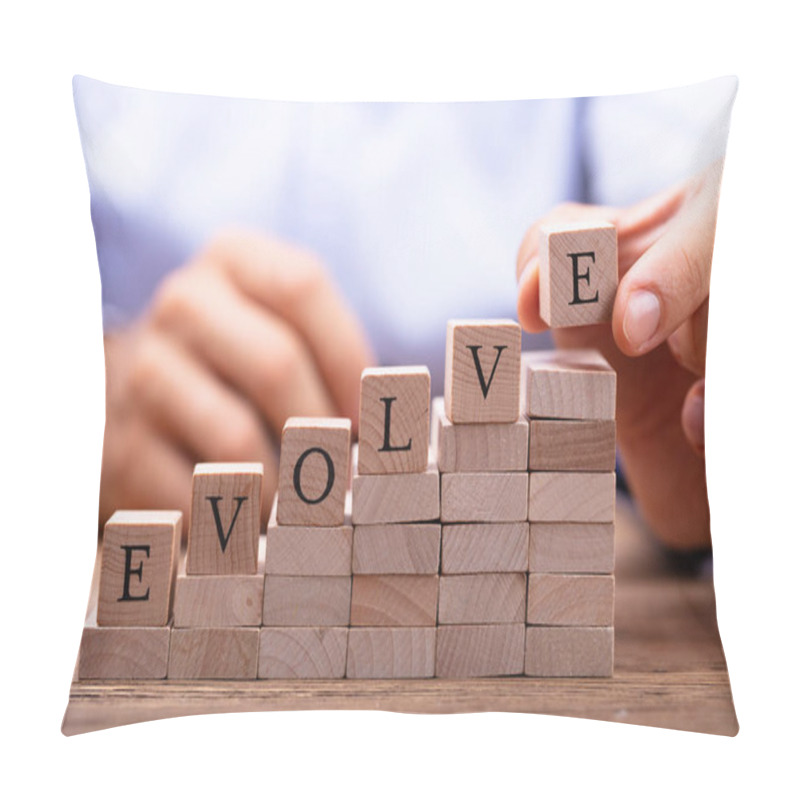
<point>656,342</point>
<point>249,332</point>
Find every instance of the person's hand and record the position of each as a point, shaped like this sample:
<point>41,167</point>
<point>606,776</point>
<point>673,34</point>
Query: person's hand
<point>656,342</point>
<point>249,332</point>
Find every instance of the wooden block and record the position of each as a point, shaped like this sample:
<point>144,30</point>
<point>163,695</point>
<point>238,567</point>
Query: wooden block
<point>308,550</point>
<point>394,420</point>
<point>314,471</point>
<point>578,273</point>
<point>572,496</point>
<point>570,600</point>
<point>482,370</point>
<point>569,652</point>
<point>406,548</point>
<point>571,547</point>
<point>485,547</point>
<point>487,447</point>
<point>213,653</point>
<point>391,653</point>
<point>482,599</point>
<point>484,496</point>
<point>305,653</point>
<point>569,384</point>
<point>123,653</point>
<point>480,651</point>
<point>226,519</point>
<point>394,600</point>
<point>306,601</point>
<point>573,445</point>
<point>218,601</point>
<point>139,563</point>
<point>406,497</point>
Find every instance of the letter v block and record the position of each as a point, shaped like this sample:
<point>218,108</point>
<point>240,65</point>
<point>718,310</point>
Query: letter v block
<point>394,420</point>
<point>226,519</point>
<point>578,273</point>
<point>314,471</point>
<point>482,371</point>
<point>138,568</point>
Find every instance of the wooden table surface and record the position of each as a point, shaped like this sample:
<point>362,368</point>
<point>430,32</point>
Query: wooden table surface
<point>669,668</point>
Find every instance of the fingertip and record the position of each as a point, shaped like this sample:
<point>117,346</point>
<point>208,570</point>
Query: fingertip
<point>528,299</point>
<point>693,417</point>
<point>637,321</point>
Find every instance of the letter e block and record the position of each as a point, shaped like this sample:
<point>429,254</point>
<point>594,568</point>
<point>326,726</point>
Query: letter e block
<point>226,519</point>
<point>139,564</point>
<point>578,273</point>
<point>314,467</point>
<point>394,420</point>
<point>482,371</point>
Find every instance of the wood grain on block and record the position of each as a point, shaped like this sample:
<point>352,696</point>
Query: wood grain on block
<point>569,384</point>
<point>215,601</point>
<point>572,547</point>
<point>480,651</point>
<point>226,519</point>
<point>482,370</point>
<point>129,653</point>
<point>570,599</point>
<point>405,548</point>
<point>391,653</point>
<point>306,653</point>
<point>139,563</point>
<point>405,497</point>
<point>578,273</point>
<point>485,547</point>
<point>484,496</point>
<point>487,447</point>
<point>573,445</point>
<point>572,496</point>
<point>213,653</point>
<point>394,600</point>
<point>308,550</point>
<point>314,471</point>
<point>306,601</point>
<point>394,420</point>
<point>569,652</point>
<point>482,599</point>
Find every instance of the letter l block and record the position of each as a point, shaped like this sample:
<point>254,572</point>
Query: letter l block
<point>394,420</point>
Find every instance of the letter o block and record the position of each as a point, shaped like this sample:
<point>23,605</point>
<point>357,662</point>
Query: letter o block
<point>578,273</point>
<point>314,467</point>
<point>138,567</point>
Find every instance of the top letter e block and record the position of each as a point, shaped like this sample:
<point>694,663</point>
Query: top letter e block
<point>482,371</point>
<point>578,273</point>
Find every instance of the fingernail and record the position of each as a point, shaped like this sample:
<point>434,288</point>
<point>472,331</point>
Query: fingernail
<point>641,318</point>
<point>694,415</point>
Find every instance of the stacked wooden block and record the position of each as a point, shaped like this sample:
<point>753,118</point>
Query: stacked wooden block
<point>397,533</point>
<point>488,553</point>
<point>571,398</point>
<point>309,553</point>
<point>481,439</point>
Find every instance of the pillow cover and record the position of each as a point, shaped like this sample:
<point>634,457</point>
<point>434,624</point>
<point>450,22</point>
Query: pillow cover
<point>256,256</point>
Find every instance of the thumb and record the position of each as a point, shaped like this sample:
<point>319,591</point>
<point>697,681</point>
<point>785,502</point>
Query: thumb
<point>671,279</point>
